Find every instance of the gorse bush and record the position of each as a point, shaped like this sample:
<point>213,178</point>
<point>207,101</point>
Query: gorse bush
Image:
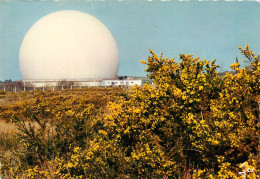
<point>192,119</point>
<point>191,124</point>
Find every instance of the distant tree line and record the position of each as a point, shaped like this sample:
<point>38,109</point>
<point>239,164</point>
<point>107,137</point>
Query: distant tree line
<point>6,81</point>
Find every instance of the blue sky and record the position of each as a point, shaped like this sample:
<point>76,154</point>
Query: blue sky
<point>210,30</point>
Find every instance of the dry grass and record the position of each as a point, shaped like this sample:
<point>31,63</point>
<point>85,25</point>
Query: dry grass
<point>9,98</point>
<point>6,127</point>
<point>8,138</point>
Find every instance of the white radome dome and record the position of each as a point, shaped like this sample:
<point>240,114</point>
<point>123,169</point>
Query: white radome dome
<point>68,45</point>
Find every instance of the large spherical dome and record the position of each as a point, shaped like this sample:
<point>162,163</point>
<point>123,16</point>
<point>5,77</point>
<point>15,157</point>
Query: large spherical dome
<point>68,45</point>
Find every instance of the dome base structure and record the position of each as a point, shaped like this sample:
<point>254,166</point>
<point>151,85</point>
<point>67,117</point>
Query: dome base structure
<point>78,84</point>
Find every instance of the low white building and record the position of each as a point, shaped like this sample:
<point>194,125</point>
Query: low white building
<point>121,82</point>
